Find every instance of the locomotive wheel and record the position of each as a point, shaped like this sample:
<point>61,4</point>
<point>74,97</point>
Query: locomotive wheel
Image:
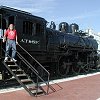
<point>63,66</point>
<point>76,69</point>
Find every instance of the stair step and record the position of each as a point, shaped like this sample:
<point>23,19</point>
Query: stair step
<point>12,65</point>
<point>39,91</point>
<point>33,89</point>
<point>26,81</point>
<point>31,85</point>
<point>10,62</point>
<point>18,70</point>
<point>20,74</point>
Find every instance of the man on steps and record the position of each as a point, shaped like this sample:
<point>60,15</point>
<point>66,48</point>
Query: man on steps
<point>10,36</point>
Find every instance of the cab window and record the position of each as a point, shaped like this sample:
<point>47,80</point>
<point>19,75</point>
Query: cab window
<point>27,27</point>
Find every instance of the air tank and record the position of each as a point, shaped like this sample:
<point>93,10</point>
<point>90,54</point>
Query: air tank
<point>64,27</point>
<point>74,28</point>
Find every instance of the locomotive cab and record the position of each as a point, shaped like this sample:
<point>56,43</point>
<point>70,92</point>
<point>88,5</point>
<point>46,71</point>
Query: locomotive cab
<point>30,31</point>
<point>30,28</point>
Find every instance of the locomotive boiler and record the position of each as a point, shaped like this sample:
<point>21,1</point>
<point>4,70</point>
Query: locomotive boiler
<point>78,51</point>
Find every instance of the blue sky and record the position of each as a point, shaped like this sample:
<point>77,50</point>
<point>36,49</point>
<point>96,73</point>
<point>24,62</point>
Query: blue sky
<point>86,13</point>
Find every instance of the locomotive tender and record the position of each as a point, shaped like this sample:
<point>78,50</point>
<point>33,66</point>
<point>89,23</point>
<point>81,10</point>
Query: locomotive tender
<point>61,52</point>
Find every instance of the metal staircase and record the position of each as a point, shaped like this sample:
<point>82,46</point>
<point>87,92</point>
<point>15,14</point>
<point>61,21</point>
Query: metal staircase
<point>31,85</point>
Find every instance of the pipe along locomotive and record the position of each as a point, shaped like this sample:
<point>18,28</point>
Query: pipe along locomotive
<point>62,52</point>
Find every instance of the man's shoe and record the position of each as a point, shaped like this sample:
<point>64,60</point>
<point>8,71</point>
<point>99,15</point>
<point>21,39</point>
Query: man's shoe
<point>6,59</point>
<point>13,60</point>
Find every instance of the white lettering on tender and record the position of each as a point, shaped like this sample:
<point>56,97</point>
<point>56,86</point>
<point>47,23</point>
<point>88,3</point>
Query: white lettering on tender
<point>29,41</point>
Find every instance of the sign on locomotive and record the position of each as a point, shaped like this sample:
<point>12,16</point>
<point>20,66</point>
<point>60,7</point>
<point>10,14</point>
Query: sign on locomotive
<point>61,52</point>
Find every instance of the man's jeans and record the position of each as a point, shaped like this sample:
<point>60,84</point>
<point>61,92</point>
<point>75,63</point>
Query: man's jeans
<point>10,44</point>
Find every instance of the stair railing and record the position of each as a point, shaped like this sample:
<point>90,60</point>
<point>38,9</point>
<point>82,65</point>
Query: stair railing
<point>37,73</point>
<point>32,68</point>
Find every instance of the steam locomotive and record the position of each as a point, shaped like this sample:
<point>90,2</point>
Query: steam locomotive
<point>61,52</point>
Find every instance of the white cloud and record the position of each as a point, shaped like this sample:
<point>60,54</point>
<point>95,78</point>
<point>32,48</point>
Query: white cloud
<point>48,10</point>
<point>33,6</point>
<point>86,15</point>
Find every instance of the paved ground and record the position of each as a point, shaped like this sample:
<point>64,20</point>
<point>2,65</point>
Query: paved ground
<point>80,88</point>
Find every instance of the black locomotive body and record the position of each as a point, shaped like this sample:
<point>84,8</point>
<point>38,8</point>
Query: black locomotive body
<point>61,52</point>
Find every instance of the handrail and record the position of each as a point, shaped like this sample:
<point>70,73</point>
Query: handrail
<point>16,77</point>
<point>28,64</point>
<point>34,59</point>
<point>36,72</point>
<point>32,68</point>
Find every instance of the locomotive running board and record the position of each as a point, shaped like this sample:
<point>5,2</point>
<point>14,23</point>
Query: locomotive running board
<point>23,79</point>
